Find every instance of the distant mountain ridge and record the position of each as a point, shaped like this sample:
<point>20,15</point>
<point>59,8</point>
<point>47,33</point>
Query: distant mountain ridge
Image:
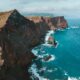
<point>53,23</point>
<point>39,14</point>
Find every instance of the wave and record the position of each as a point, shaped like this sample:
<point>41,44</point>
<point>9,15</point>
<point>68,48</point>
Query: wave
<point>34,72</point>
<point>57,44</point>
<point>42,56</point>
<point>73,27</point>
<point>43,51</point>
<point>60,29</point>
<point>43,69</point>
<point>48,45</point>
<point>48,35</point>
<point>68,28</point>
<point>35,52</point>
<point>73,78</point>
<point>50,70</point>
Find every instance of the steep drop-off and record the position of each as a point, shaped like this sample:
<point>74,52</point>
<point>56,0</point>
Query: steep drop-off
<point>18,35</point>
<point>53,23</point>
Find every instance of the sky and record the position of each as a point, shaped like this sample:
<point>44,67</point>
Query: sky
<point>67,8</point>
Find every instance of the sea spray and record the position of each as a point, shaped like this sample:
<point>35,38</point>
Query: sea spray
<point>73,78</point>
<point>57,44</point>
<point>42,55</point>
<point>48,35</point>
<point>34,72</point>
<point>35,52</point>
<point>33,69</point>
<point>73,27</point>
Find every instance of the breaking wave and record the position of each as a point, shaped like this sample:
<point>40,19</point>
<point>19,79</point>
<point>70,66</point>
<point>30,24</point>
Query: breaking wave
<point>33,70</point>
<point>48,35</point>
<point>35,52</point>
<point>73,27</point>
<point>73,78</point>
<point>41,53</point>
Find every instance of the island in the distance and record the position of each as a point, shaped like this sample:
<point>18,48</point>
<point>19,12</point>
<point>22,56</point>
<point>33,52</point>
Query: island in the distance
<point>18,35</point>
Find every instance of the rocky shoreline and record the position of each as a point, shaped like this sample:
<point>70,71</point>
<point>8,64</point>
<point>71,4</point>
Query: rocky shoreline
<point>18,35</point>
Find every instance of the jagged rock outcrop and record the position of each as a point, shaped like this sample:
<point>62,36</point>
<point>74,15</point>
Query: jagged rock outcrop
<point>18,35</point>
<point>54,23</point>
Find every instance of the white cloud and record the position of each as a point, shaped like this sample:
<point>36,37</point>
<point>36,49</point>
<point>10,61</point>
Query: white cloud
<point>62,7</point>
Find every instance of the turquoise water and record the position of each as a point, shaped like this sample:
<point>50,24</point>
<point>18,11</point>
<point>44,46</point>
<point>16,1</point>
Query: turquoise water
<point>66,62</point>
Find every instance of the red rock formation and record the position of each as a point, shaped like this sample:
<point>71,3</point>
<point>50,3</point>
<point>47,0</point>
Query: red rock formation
<point>53,23</point>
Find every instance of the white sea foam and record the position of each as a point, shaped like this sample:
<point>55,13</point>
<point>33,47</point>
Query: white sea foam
<point>35,52</point>
<point>48,45</point>
<point>68,28</point>
<point>73,78</point>
<point>61,29</point>
<point>73,27</point>
<point>52,58</point>
<point>43,69</point>
<point>34,71</point>
<point>65,73</point>
<point>48,35</point>
<point>50,70</point>
<point>42,51</point>
<point>42,55</point>
<point>57,44</point>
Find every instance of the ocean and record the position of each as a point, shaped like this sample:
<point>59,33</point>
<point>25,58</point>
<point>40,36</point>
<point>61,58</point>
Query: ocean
<point>64,63</point>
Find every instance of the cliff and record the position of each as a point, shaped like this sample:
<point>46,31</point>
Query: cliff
<point>18,35</point>
<point>17,38</point>
<point>54,23</point>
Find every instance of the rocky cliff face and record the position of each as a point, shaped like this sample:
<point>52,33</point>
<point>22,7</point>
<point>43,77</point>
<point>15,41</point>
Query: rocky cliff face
<point>17,38</point>
<point>18,35</point>
<point>41,26</point>
<point>53,23</point>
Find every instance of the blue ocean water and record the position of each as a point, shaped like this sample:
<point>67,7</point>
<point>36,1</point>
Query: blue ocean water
<point>65,64</point>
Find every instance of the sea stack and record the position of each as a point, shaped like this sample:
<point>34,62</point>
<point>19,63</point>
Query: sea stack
<point>52,41</point>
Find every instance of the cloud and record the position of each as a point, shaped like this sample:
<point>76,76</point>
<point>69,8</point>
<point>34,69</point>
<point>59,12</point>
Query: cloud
<point>59,7</point>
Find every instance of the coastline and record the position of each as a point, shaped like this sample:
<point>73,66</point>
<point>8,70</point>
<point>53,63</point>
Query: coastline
<point>17,38</point>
